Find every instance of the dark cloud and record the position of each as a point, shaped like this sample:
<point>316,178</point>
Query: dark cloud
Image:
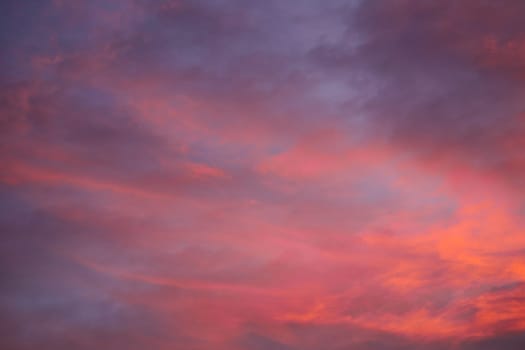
<point>427,81</point>
<point>259,342</point>
<point>510,341</point>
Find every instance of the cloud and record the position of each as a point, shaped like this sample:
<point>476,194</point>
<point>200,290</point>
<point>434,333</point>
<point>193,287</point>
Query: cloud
<point>267,175</point>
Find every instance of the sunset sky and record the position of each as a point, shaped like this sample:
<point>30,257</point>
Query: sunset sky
<point>262,175</point>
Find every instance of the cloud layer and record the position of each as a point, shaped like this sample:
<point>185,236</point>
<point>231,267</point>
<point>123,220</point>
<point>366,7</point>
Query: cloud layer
<point>262,175</point>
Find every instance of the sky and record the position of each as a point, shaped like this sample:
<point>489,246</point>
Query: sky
<point>262,175</point>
